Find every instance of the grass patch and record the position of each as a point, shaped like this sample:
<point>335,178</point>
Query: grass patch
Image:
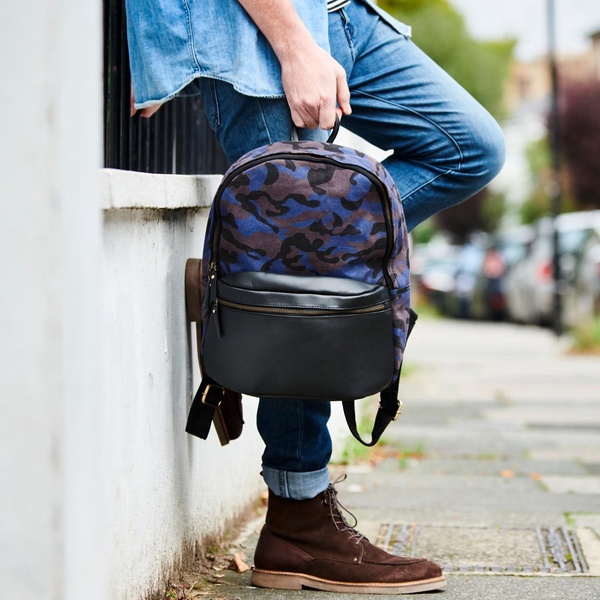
<point>408,369</point>
<point>586,337</point>
<point>354,452</point>
<point>571,518</point>
<point>408,453</point>
<point>426,310</point>
<point>487,456</point>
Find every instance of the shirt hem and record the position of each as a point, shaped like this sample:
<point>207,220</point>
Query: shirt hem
<point>237,87</point>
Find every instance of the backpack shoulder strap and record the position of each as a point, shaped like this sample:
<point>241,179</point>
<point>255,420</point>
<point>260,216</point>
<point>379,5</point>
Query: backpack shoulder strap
<point>389,410</point>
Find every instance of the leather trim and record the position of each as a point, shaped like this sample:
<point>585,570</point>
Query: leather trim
<point>332,357</point>
<point>290,291</point>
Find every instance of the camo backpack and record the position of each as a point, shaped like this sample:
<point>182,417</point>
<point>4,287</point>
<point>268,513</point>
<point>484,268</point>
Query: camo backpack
<point>304,285</point>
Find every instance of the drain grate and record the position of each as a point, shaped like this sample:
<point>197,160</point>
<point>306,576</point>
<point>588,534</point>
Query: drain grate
<point>488,550</point>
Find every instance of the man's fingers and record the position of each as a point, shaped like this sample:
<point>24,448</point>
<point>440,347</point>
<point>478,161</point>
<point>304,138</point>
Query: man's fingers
<point>327,116</point>
<point>144,112</point>
<point>328,111</point>
<point>343,92</point>
<point>296,118</point>
<point>132,109</point>
<point>313,101</point>
<point>149,110</point>
<point>303,117</point>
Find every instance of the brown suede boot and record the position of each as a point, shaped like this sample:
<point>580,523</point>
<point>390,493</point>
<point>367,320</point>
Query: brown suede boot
<point>308,543</point>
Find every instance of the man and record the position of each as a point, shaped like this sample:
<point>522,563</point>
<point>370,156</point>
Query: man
<point>265,67</point>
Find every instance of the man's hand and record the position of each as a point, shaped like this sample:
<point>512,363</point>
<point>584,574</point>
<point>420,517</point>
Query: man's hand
<point>313,82</point>
<point>144,112</point>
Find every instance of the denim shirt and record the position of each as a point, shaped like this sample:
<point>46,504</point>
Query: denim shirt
<point>173,42</point>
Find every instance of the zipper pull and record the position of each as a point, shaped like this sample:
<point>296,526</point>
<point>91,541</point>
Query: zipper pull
<point>212,301</point>
<point>212,286</point>
<point>215,312</point>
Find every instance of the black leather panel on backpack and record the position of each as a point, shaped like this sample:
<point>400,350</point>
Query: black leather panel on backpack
<point>337,334</point>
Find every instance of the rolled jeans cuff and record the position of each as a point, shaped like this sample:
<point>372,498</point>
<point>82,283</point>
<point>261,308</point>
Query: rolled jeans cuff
<point>296,486</point>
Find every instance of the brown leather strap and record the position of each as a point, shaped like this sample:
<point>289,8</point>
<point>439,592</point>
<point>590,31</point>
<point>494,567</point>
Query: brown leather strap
<point>212,403</point>
<point>193,289</point>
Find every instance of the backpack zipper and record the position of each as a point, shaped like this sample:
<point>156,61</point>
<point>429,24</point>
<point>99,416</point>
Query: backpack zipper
<point>383,195</point>
<point>310,312</point>
<point>278,310</point>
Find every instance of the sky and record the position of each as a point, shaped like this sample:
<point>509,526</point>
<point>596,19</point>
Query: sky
<point>526,20</point>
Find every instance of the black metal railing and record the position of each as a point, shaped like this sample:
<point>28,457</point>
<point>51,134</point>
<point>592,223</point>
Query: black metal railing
<point>177,139</point>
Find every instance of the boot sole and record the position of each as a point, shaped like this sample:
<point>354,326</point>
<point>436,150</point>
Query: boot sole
<point>297,581</point>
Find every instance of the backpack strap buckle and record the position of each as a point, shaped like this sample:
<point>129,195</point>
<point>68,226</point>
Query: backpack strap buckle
<point>398,412</point>
<point>389,413</point>
<point>210,398</point>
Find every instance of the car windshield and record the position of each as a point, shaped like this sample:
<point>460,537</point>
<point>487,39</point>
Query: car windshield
<point>572,241</point>
<point>513,252</point>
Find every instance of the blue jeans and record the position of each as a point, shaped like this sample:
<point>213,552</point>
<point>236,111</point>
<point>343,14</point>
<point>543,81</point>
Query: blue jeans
<point>446,147</point>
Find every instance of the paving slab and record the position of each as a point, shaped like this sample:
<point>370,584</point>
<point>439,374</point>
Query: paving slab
<point>573,485</point>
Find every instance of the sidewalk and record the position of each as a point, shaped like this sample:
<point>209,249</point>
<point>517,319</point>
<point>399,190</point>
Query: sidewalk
<point>496,455</point>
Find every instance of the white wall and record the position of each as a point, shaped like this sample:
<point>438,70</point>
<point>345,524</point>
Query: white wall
<point>101,491</point>
<point>165,489</point>
<point>49,251</point>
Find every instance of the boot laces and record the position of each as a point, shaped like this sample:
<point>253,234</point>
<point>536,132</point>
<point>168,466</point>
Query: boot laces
<point>335,510</point>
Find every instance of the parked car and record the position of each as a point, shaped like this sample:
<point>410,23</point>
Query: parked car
<point>530,283</point>
<point>433,268</point>
<point>582,298</point>
<point>503,252</point>
<point>469,260</point>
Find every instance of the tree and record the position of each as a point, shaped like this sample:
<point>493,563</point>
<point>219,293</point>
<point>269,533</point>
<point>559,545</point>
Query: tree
<point>482,212</point>
<point>481,67</point>
<point>537,205</point>
<point>579,114</point>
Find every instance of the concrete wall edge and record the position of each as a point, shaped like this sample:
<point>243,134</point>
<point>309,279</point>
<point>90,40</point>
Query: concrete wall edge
<point>131,189</point>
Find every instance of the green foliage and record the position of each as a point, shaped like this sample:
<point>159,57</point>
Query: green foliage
<point>424,232</point>
<point>538,203</point>
<point>532,209</point>
<point>353,452</point>
<point>586,337</point>
<point>425,310</point>
<point>481,67</point>
<point>538,156</point>
<point>408,453</point>
<point>493,210</point>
